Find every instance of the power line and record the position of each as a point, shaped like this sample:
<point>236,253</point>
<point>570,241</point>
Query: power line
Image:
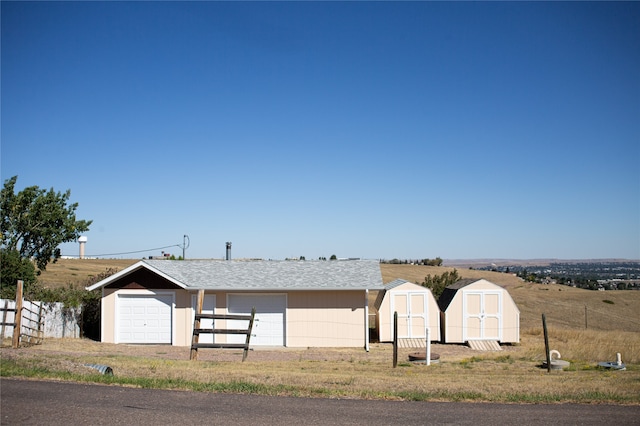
<point>126,252</point>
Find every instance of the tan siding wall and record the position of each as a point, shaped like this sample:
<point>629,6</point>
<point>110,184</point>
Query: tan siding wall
<point>434,318</point>
<point>326,319</point>
<point>383,320</point>
<point>182,322</point>
<point>511,322</point>
<point>108,315</point>
<point>454,320</point>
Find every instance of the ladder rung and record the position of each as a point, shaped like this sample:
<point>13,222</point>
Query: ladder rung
<point>218,331</point>
<point>224,317</point>
<point>218,346</point>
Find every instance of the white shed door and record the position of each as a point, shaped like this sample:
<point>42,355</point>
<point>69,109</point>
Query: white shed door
<point>483,315</point>
<point>412,314</point>
<point>144,319</point>
<point>269,322</point>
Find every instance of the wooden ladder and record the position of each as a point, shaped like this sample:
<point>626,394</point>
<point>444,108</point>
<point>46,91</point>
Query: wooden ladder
<point>197,331</point>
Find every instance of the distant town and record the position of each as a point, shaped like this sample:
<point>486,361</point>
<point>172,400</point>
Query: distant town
<point>588,274</point>
<point>596,275</point>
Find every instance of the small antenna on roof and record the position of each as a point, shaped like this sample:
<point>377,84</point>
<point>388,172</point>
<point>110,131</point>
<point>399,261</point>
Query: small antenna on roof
<point>186,242</point>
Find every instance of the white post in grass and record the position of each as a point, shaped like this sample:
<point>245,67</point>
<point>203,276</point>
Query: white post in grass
<point>366,320</point>
<point>428,349</point>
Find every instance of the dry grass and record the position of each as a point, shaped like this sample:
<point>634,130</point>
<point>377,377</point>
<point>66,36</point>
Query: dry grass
<point>511,375</point>
<point>76,271</point>
<point>584,346</point>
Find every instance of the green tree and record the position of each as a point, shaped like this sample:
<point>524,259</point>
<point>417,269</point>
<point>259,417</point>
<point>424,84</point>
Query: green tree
<point>333,257</point>
<point>15,268</point>
<point>35,222</point>
<point>438,283</point>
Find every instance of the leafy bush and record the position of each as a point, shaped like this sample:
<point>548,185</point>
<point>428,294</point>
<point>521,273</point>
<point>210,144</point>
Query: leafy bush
<point>438,283</point>
<point>14,268</point>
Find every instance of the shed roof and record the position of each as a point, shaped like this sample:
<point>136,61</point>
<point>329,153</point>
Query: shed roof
<point>395,283</point>
<point>262,275</point>
<point>390,286</point>
<point>450,292</point>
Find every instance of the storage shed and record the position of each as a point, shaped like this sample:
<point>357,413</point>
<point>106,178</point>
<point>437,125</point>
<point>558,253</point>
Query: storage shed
<point>417,309</point>
<point>476,309</point>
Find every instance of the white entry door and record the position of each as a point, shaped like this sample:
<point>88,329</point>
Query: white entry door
<point>412,314</point>
<point>208,307</point>
<point>144,318</point>
<point>269,322</point>
<point>482,315</point>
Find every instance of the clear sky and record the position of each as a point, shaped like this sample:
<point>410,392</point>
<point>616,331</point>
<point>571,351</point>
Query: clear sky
<point>373,130</point>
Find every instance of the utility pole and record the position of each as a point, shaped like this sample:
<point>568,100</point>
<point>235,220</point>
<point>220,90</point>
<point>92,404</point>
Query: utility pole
<point>185,244</point>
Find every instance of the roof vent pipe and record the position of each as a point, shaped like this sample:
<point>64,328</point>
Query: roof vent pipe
<point>228,250</point>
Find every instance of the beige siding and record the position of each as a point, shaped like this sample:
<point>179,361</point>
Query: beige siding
<point>453,320</point>
<point>108,318</point>
<point>511,327</point>
<point>400,294</point>
<point>326,319</point>
<point>182,323</point>
<point>313,318</point>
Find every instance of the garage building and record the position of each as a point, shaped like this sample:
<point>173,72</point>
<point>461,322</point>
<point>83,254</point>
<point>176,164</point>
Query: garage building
<point>298,303</point>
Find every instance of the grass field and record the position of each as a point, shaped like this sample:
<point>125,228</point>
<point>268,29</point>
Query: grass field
<point>563,306</point>
<point>511,375</point>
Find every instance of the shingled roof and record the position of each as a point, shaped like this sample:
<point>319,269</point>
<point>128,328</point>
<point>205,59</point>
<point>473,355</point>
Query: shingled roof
<point>450,291</point>
<point>262,275</point>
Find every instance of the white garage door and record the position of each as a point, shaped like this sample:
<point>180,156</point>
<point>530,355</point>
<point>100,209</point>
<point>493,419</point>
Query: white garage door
<point>144,319</point>
<point>269,323</point>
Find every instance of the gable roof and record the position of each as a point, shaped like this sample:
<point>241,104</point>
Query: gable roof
<point>450,292</point>
<point>381,294</point>
<point>395,283</point>
<point>261,275</point>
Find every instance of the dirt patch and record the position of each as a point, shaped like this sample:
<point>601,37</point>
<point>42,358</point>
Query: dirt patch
<point>379,352</point>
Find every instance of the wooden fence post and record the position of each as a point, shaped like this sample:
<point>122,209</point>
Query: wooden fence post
<point>196,324</point>
<point>585,317</point>
<point>546,342</point>
<point>41,325</point>
<point>395,339</point>
<point>15,343</point>
<point>4,319</point>
<point>248,339</point>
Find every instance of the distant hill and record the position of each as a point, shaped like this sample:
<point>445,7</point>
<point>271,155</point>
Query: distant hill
<point>479,263</point>
<point>564,306</point>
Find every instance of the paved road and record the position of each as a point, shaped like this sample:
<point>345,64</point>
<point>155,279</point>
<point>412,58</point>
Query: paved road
<point>54,403</point>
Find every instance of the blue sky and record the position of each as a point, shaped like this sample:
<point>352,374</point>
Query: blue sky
<point>374,130</point>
